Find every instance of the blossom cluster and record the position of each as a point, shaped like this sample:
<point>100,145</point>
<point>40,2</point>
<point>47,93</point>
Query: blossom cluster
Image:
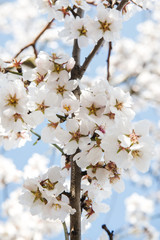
<point>94,127</point>
<point>46,195</point>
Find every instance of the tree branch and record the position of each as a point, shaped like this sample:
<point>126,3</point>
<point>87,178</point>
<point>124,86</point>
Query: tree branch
<point>110,234</point>
<point>33,43</point>
<point>97,46</point>
<point>75,73</point>
<point>75,183</point>
<point>122,4</point>
<point>136,4</point>
<point>76,53</point>
<point>90,57</point>
<point>108,60</point>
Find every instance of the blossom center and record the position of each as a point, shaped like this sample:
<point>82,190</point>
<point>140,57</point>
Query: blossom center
<point>38,196</point>
<point>93,110</point>
<point>119,105</point>
<point>58,67</point>
<point>39,79</point>
<point>16,64</point>
<point>48,184</point>
<point>82,31</point>
<point>61,89</point>
<point>18,116</point>
<point>20,135</point>
<point>64,11</point>
<point>110,115</point>
<point>127,149</point>
<point>112,167</point>
<point>134,137</point>
<point>75,136</point>
<point>56,206</point>
<point>41,107</point>
<point>105,26</point>
<point>12,100</point>
<point>67,107</point>
<point>136,154</point>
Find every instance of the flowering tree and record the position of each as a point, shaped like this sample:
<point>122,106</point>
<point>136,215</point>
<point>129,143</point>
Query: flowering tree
<point>88,122</point>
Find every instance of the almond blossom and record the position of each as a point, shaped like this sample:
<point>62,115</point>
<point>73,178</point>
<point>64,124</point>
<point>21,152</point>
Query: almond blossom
<point>91,125</point>
<point>75,137</point>
<point>108,24</point>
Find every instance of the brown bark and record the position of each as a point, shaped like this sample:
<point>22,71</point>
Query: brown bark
<point>122,4</point>
<point>75,219</point>
<point>75,185</point>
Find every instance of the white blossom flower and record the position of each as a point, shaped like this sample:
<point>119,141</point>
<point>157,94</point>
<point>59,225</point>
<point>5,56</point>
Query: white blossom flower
<point>75,137</point>
<point>41,104</point>
<point>69,105</point>
<point>43,63</point>
<point>92,106</point>
<point>91,154</point>
<point>48,132</point>
<point>142,154</point>
<point>58,209</point>
<point>108,25</point>
<point>62,9</point>
<point>121,103</point>
<point>47,6</point>
<point>13,96</point>
<point>80,29</point>
<point>61,85</point>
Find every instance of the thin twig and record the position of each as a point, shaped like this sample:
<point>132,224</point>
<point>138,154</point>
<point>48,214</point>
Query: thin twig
<point>66,194</point>
<point>110,234</point>
<point>90,57</point>
<point>66,234</point>
<point>108,60</point>
<point>136,4</point>
<point>33,43</point>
